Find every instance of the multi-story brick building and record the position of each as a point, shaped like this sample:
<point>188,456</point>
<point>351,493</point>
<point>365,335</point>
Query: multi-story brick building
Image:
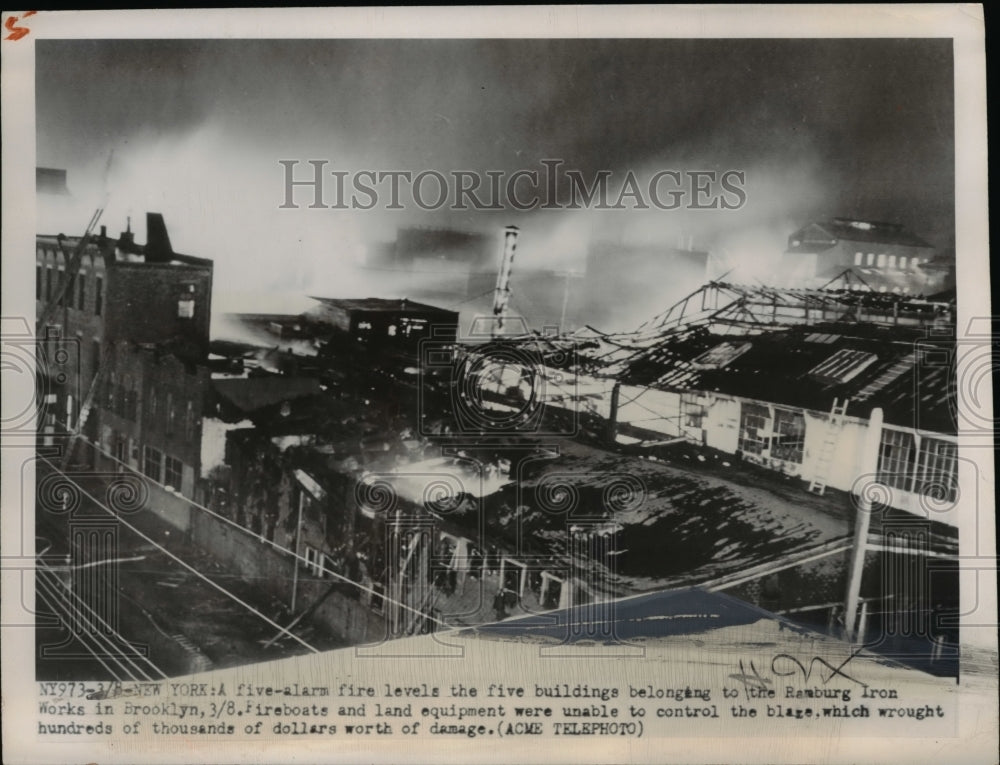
<point>137,317</point>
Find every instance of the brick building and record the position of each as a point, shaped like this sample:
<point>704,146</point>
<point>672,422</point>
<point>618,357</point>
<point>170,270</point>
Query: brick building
<point>135,319</point>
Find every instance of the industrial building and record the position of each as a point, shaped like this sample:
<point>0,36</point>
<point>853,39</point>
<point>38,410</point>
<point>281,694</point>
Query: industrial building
<point>711,408</point>
<point>882,257</point>
<point>381,322</point>
<point>383,491</point>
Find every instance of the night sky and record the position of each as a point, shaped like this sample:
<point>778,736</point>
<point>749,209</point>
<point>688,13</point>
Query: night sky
<point>822,128</point>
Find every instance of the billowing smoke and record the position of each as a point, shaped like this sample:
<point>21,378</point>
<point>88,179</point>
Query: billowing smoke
<point>196,130</point>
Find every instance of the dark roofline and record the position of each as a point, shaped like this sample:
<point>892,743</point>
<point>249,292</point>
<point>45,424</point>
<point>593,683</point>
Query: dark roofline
<point>380,304</point>
<point>136,249</point>
<point>874,223</point>
<point>877,231</point>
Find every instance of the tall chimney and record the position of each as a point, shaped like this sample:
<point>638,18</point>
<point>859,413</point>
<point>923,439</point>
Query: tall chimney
<point>501,295</point>
<point>158,249</point>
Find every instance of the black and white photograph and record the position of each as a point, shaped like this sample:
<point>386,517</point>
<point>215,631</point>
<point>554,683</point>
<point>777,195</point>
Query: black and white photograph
<point>411,387</point>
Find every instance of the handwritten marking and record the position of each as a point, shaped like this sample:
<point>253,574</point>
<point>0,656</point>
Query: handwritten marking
<point>756,685</point>
<point>16,32</point>
<point>806,674</point>
<point>754,681</point>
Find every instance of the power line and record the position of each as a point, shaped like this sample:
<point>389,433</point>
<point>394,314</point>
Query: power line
<point>275,545</point>
<point>52,589</point>
<point>183,563</point>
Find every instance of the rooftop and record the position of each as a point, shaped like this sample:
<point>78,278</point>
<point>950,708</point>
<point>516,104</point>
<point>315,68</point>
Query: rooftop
<point>831,231</point>
<point>125,251</point>
<point>251,394</point>
<point>380,304</point>
<point>903,370</point>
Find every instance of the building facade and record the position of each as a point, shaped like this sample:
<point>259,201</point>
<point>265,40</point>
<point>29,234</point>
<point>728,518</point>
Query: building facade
<point>882,257</point>
<point>135,320</point>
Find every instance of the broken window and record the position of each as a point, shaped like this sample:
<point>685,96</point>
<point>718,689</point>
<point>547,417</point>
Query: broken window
<point>896,459</point>
<point>789,435</point>
<point>693,410</point>
<point>843,366</point>
<point>754,420</point>
<point>938,461</point>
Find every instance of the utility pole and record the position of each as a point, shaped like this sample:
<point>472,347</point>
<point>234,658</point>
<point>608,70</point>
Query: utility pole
<point>612,433</point>
<point>298,537</point>
<point>868,467</point>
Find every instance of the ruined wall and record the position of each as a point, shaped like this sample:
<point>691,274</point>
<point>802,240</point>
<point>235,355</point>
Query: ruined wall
<point>272,570</point>
<point>170,506</point>
<point>715,420</point>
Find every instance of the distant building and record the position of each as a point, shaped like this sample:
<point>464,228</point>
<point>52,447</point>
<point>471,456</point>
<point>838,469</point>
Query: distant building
<point>882,257</point>
<point>379,321</point>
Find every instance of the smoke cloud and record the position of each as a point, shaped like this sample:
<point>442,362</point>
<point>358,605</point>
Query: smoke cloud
<point>196,130</point>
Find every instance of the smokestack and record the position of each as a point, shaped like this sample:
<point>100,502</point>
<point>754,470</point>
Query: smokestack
<point>158,249</point>
<point>501,296</point>
<point>126,242</point>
